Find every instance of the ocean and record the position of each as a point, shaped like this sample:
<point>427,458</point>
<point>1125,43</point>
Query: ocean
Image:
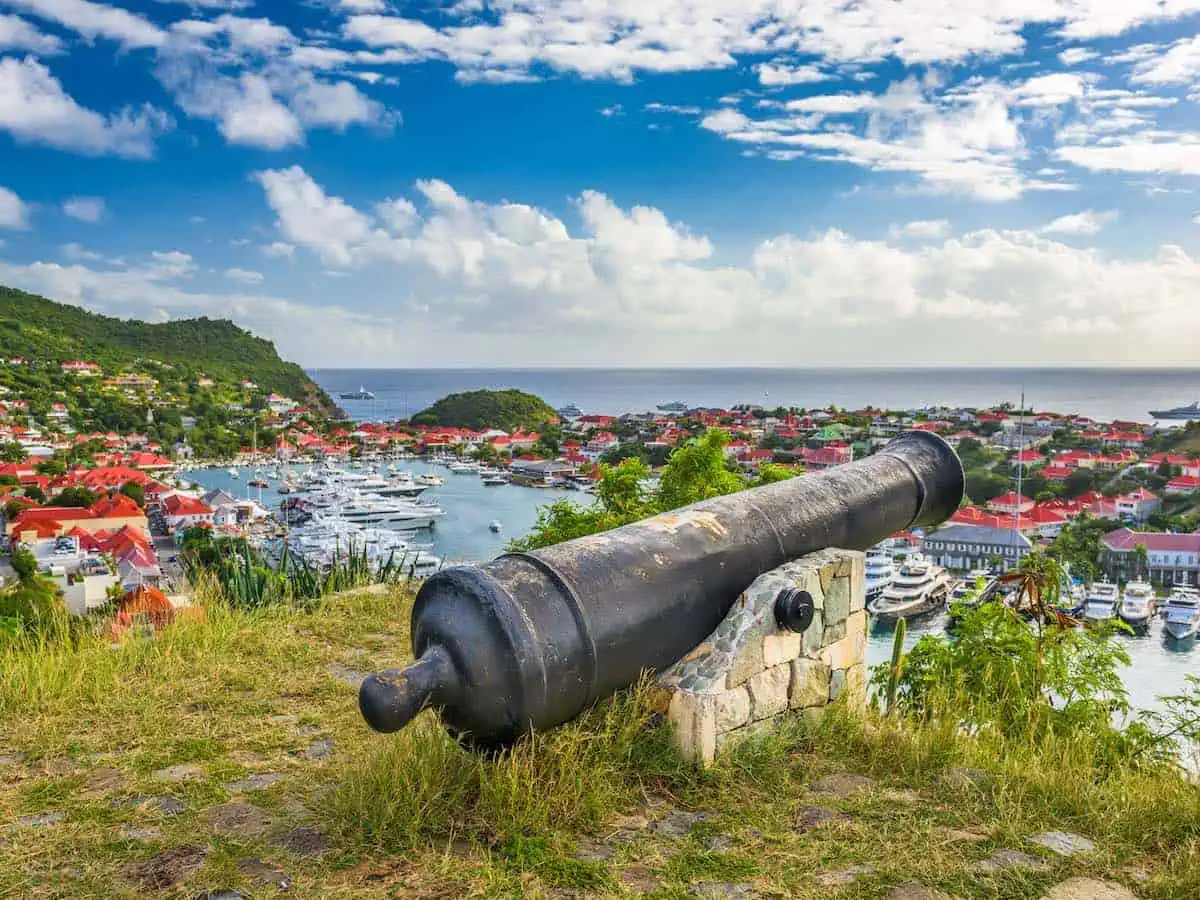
<point>1105,394</point>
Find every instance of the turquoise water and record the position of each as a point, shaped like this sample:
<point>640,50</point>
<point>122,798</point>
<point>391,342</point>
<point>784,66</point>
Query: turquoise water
<point>463,536</point>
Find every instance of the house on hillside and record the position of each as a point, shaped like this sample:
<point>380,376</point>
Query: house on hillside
<point>182,512</point>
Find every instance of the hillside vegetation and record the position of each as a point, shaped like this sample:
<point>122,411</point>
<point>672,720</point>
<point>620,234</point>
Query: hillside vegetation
<point>508,409</point>
<point>40,329</point>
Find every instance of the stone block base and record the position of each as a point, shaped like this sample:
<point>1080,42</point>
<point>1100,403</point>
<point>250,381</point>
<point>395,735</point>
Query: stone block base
<point>749,672</point>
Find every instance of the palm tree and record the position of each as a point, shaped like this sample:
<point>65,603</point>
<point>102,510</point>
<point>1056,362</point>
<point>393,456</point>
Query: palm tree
<point>1143,561</point>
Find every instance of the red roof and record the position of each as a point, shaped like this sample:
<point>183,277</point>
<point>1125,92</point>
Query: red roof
<point>1184,483</point>
<point>179,505</point>
<point>1128,539</point>
<point>117,506</point>
<point>1012,498</point>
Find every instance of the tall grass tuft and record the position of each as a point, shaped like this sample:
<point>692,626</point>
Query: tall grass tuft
<point>421,786</point>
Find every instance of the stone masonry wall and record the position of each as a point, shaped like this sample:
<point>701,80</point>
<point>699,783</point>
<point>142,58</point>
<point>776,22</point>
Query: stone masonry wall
<point>749,672</point>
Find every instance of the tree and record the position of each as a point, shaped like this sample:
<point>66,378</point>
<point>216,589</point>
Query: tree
<point>697,472</point>
<point>12,452</point>
<point>134,492</point>
<point>35,493</point>
<point>1142,555</point>
<point>24,564</point>
<point>1079,482</point>
<point>769,473</point>
<point>983,485</point>
<point>74,497</point>
<point>51,468</point>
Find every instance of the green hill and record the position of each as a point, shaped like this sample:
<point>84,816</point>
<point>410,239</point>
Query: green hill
<point>40,329</point>
<point>509,410</point>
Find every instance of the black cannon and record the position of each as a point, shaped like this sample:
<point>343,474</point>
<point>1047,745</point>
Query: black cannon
<point>530,640</point>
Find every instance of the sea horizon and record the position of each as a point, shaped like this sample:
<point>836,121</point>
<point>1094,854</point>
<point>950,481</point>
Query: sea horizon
<point>1104,393</point>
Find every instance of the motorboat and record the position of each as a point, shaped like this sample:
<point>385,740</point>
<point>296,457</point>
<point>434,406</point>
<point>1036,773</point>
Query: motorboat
<point>430,479</point>
<point>361,394</point>
<point>879,569</point>
<point>918,588</point>
<point>1137,604</point>
<point>461,467</point>
<point>494,480</point>
<point>401,486</point>
<point>1182,614</point>
<point>233,473</point>
<point>1101,602</point>
<point>1190,411</point>
<point>495,526</point>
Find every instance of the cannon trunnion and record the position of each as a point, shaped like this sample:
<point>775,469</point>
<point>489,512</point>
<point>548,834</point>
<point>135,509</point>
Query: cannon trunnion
<point>529,640</point>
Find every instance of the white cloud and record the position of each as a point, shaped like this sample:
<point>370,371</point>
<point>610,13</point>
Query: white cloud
<point>922,229</point>
<point>363,6</point>
<point>78,253</point>
<point>13,211</point>
<point>834,104</point>
<point>1087,222</point>
<point>615,110</point>
<point>246,276</point>
<point>245,110</point>
<point>633,275</point>
<point>1073,56</point>
<point>17,34</point>
<point>95,20</point>
<point>1168,153</point>
<point>35,109</point>
<point>279,250</point>
<point>1178,65</point>
<point>310,218</point>
<point>779,74</point>
<point>85,209</point>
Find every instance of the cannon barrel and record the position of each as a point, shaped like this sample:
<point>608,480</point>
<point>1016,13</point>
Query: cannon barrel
<point>530,640</point>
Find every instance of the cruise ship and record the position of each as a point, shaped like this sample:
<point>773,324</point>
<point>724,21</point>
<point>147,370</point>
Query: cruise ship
<point>1191,411</point>
<point>917,589</point>
<point>675,406</point>
<point>570,411</point>
<point>361,394</point>
<point>879,569</point>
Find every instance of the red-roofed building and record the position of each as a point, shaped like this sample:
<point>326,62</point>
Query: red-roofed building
<point>83,369</point>
<point>1056,473</point>
<point>107,478</point>
<point>590,423</point>
<point>182,512</point>
<point>752,459</point>
<point>826,457</point>
<point>601,441</point>
<point>1183,484</point>
<point>1173,559</point>
<point>1027,458</point>
<point>1010,504</point>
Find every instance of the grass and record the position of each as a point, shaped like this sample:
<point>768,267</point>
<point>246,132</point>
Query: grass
<point>568,813</point>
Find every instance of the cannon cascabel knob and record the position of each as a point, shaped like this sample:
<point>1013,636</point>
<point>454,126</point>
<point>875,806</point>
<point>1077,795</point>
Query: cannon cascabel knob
<point>392,699</point>
<point>793,610</point>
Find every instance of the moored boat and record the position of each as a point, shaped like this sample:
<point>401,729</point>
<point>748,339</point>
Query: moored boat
<point>1182,615</point>
<point>918,588</point>
<point>879,569</point>
<point>1101,602</point>
<point>1189,411</point>
<point>1137,604</point>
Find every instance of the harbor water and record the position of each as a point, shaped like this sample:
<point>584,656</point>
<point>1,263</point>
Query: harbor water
<point>462,535</point>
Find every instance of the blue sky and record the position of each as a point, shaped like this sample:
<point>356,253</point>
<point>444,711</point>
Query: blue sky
<point>615,182</point>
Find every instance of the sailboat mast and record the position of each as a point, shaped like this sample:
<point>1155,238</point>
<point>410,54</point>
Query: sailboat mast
<point>1020,472</point>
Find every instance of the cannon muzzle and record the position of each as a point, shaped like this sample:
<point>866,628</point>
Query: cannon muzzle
<point>530,640</point>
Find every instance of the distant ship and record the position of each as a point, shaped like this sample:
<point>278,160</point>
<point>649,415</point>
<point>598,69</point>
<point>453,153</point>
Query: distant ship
<point>676,406</point>
<point>361,394</point>
<point>570,411</point>
<point>1191,411</point>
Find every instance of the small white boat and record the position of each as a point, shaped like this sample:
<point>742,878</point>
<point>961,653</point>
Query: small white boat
<point>430,480</point>
<point>1100,605</point>
<point>495,526</point>
<point>1182,614</point>
<point>463,468</point>
<point>1137,605</point>
<point>233,473</point>
<point>494,480</point>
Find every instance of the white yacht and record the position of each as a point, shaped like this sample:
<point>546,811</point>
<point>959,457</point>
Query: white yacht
<point>233,473</point>
<point>1100,605</point>
<point>402,485</point>
<point>371,509</point>
<point>1137,604</point>
<point>879,569</point>
<point>430,479</point>
<point>460,467</point>
<point>1182,611</point>
<point>917,588</point>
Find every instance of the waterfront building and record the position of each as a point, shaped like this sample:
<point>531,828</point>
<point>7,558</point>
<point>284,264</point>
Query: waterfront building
<point>966,547</point>
<point>1173,559</point>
